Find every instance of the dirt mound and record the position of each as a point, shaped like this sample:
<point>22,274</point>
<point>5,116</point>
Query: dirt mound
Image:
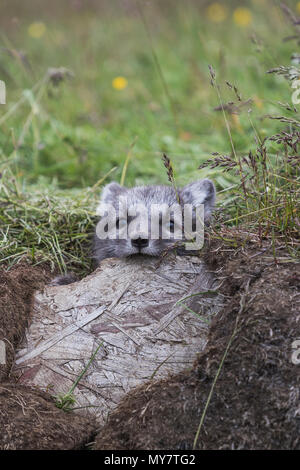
<point>255,401</point>
<point>30,420</point>
<point>243,388</point>
<point>16,287</point>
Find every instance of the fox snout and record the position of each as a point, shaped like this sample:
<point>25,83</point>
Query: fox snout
<point>139,242</point>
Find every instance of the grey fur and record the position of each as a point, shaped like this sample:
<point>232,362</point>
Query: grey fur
<point>196,193</point>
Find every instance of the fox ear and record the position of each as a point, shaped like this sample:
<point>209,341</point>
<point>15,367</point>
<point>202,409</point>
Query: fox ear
<point>110,194</point>
<point>200,192</point>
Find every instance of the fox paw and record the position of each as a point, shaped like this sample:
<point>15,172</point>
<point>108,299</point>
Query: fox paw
<point>63,280</point>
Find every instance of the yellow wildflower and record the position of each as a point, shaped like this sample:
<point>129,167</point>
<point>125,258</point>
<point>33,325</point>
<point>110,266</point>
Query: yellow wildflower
<point>37,30</point>
<point>119,83</point>
<point>242,16</point>
<point>216,12</point>
<point>298,7</point>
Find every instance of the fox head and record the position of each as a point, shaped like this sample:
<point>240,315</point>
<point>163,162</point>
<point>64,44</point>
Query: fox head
<point>149,219</point>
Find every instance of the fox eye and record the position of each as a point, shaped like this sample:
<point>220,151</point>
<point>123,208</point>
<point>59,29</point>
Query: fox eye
<point>120,223</point>
<point>171,226</point>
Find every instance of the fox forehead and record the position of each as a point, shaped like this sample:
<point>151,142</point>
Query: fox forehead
<point>147,196</point>
<point>195,193</point>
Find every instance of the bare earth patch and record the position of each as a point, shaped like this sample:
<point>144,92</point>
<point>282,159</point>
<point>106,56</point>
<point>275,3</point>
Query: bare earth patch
<point>30,420</point>
<point>255,403</point>
<point>28,417</point>
<point>16,289</point>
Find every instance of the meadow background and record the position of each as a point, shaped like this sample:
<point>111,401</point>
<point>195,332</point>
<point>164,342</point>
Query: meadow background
<point>98,91</point>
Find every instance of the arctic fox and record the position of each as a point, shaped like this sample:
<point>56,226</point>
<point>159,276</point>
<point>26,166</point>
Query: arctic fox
<point>125,203</point>
<point>121,207</point>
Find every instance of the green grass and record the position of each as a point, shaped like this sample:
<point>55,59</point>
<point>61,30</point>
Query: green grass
<point>58,140</point>
<point>83,127</point>
<point>67,400</point>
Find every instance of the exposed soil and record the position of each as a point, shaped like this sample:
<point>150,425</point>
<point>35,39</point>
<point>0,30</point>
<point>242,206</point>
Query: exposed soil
<point>29,418</point>
<point>255,403</point>
<point>16,289</point>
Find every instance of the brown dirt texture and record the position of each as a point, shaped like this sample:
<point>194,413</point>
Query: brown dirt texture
<point>29,418</point>
<point>245,369</point>
<point>241,393</point>
<point>16,289</point>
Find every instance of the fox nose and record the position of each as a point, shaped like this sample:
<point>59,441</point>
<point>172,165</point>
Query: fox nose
<point>140,242</point>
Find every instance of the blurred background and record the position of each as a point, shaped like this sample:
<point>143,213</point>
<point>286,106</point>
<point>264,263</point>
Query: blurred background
<point>98,88</point>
